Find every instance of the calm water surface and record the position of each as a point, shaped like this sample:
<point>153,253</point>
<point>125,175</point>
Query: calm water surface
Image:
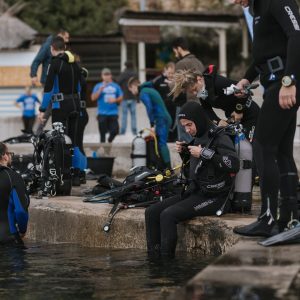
<point>44,271</point>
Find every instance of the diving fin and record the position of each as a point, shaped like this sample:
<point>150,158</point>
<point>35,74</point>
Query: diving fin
<point>290,236</point>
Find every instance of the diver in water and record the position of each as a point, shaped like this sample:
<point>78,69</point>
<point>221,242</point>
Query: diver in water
<point>14,202</point>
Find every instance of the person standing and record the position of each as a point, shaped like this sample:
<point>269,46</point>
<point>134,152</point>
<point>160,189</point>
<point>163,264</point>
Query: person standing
<point>185,61</point>
<point>43,58</point>
<point>276,59</point>
<point>108,95</point>
<point>62,90</point>
<point>162,84</point>
<point>160,119</point>
<point>14,202</point>
<point>129,101</point>
<point>28,101</point>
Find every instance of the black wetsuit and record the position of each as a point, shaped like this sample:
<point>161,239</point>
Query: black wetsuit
<point>215,85</point>
<point>276,53</point>
<point>14,204</point>
<point>206,192</point>
<point>63,89</point>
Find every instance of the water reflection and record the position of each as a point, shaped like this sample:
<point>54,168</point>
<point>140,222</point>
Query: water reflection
<point>72,272</point>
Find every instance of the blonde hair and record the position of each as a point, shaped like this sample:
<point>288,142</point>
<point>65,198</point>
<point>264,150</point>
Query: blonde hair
<point>182,80</point>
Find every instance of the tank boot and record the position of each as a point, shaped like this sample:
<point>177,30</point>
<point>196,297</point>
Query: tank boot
<point>265,224</point>
<point>76,177</point>
<point>82,177</point>
<point>288,211</point>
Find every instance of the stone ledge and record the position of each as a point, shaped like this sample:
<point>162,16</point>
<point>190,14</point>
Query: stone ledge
<point>69,220</point>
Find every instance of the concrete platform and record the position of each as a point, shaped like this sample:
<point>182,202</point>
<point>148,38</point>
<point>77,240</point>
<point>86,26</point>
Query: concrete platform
<point>248,271</point>
<point>69,220</point>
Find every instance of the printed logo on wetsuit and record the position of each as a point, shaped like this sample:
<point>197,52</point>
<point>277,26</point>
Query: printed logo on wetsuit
<point>203,204</point>
<point>227,161</point>
<point>256,20</point>
<point>292,17</point>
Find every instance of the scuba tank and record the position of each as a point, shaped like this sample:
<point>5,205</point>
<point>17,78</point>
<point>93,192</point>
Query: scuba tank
<point>242,200</point>
<point>139,151</point>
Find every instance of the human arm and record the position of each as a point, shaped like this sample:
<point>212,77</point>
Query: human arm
<point>287,15</point>
<point>146,99</point>
<point>41,56</point>
<point>98,89</point>
<point>18,206</point>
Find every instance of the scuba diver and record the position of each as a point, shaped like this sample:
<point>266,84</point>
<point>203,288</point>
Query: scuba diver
<point>276,61</point>
<point>14,202</point>
<point>209,88</point>
<point>210,163</point>
<point>63,88</point>
<point>160,119</point>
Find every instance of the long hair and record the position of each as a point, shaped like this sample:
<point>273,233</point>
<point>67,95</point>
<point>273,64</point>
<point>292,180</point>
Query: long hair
<point>182,80</point>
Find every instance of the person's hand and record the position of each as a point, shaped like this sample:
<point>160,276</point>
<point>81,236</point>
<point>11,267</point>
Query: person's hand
<point>237,117</point>
<point>287,97</point>
<point>178,146</point>
<point>222,123</point>
<point>195,150</point>
<point>152,129</point>
<point>41,117</point>
<point>241,85</point>
<point>34,81</point>
<point>111,100</point>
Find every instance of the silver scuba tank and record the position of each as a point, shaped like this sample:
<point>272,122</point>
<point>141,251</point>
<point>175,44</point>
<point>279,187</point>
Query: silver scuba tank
<point>242,200</point>
<point>139,151</point>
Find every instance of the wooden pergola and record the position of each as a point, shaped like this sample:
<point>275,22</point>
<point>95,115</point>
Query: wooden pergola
<point>144,27</point>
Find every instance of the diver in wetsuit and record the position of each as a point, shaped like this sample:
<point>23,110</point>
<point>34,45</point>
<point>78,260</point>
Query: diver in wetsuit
<point>63,88</point>
<point>14,202</point>
<point>208,186</point>
<point>160,119</point>
<point>209,89</point>
<point>276,59</point>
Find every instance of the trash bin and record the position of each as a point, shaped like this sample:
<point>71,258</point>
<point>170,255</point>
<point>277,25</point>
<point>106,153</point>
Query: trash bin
<point>101,165</point>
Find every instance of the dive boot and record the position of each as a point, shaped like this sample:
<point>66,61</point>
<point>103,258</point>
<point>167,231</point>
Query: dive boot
<point>265,224</point>
<point>261,227</point>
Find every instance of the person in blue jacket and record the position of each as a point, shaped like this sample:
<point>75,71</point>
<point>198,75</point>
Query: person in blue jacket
<point>14,202</point>
<point>160,119</point>
<point>28,102</point>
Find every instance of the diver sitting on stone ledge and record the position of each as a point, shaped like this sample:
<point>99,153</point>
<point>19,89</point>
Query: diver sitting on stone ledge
<point>210,165</point>
<point>14,202</point>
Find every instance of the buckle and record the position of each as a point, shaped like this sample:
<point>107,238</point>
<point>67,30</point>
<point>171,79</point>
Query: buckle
<point>82,104</point>
<point>275,64</point>
<point>57,97</point>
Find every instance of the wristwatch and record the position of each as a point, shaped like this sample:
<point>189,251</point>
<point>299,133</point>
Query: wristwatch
<point>288,81</point>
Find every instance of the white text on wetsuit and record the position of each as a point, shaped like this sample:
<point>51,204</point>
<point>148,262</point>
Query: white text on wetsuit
<point>292,17</point>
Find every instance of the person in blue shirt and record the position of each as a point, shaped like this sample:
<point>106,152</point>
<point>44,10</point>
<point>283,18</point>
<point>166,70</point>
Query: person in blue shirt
<point>160,119</point>
<point>14,202</point>
<point>28,102</point>
<point>108,95</point>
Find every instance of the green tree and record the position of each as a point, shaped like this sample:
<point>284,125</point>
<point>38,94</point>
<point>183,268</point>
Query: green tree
<point>77,16</point>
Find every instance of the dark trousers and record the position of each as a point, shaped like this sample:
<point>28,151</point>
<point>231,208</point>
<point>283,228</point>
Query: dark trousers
<point>162,219</point>
<point>28,123</point>
<point>108,124</point>
<point>273,149</point>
